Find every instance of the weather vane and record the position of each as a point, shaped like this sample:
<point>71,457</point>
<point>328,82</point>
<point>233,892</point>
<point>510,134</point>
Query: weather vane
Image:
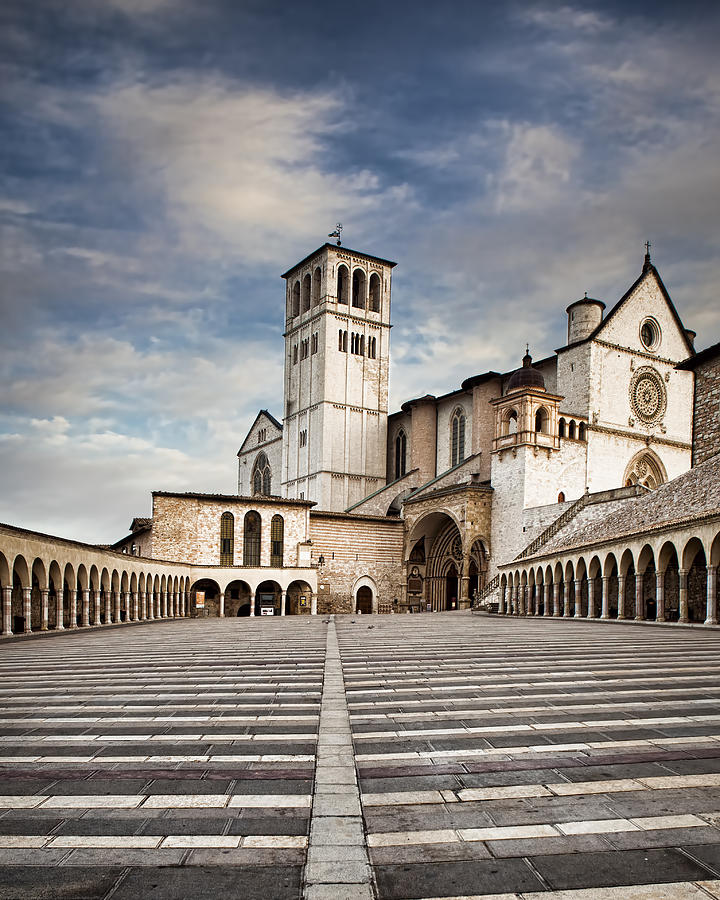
<point>337,233</point>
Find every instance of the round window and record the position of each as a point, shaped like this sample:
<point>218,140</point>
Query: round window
<point>650,334</point>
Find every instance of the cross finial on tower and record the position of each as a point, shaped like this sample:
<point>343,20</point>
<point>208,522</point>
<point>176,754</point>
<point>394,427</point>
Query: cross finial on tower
<point>337,232</point>
<point>647,263</point>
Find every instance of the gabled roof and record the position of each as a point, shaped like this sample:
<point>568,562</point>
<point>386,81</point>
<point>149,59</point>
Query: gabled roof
<point>648,269</point>
<point>273,421</point>
<point>138,524</point>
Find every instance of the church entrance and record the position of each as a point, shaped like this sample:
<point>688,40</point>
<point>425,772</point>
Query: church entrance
<point>363,601</point>
<point>451,588</point>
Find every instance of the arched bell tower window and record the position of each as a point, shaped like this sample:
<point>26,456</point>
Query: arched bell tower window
<point>251,539</point>
<point>342,284</point>
<point>571,431</point>
<point>227,539</point>
<point>457,443</point>
<point>277,531</point>
<point>358,289</point>
<point>262,476</point>
<point>400,454</point>
<point>296,299</point>
<point>375,292</point>
<point>561,428</point>
<point>306,289</point>
<point>541,420</point>
<point>510,422</point>
<point>582,432</point>
<point>317,276</point>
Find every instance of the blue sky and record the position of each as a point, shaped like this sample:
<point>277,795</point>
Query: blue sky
<point>163,161</point>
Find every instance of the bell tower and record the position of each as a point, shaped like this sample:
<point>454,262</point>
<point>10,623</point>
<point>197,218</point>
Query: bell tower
<point>337,356</point>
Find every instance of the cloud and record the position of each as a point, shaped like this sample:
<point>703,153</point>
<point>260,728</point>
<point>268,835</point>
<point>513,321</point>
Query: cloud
<point>240,167</point>
<point>566,18</point>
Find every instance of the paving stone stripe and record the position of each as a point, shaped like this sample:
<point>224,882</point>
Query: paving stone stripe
<point>338,864</point>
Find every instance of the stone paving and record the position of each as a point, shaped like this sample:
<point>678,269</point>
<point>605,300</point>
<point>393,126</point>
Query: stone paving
<point>347,758</point>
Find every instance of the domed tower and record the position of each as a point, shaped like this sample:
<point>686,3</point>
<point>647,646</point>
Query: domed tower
<point>526,413</point>
<point>584,316</point>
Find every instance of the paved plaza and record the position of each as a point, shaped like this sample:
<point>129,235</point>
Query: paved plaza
<point>347,758</point>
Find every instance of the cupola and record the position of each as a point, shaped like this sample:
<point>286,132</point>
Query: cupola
<point>526,377</point>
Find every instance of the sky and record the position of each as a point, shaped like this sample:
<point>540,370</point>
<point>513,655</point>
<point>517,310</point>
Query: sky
<point>162,162</point>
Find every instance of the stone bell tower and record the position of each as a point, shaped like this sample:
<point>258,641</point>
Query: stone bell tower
<point>337,356</point>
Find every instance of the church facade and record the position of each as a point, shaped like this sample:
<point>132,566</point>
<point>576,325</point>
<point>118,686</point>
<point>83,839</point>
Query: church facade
<point>477,474</point>
<point>505,489</point>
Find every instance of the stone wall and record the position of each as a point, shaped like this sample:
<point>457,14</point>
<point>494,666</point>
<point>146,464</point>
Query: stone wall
<point>706,431</point>
<point>357,551</point>
<point>186,527</point>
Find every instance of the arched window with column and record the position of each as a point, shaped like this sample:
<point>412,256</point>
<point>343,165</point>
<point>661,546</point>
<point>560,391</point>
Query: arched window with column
<point>541,420</point>
<point>374,293</point>
<point>227,539</point>
<point>306,292</point>
<point>262,476</point>
<point>316,283</point>
<point>277,534</point>
<point>342,284</point>
<point>296,299</point>
<point>400,454</point>
<point>251,539</point>
<point>457,440</point>
<point>359,283</point>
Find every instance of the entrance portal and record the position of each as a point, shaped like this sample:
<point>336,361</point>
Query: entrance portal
<point>363,603</point>
<point>451,589</point>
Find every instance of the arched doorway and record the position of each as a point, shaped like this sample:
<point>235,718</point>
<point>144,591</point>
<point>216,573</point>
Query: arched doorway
<point>364,600</point>
<point>206,597</point>
<point>451,587</point>
<point>267,599</point>
<point>238,598</point>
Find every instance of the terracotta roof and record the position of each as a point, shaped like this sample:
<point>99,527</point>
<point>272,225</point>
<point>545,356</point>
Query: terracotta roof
<point>691,496</point>
<point>709,353</point>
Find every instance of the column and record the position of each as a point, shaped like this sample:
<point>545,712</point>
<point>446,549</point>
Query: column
<point>118,604</point>
<point>164,604</point>
<point>605,601</point>
<point>591,598</point>
<point>186,603</point>
<point>109,605</point>
<point>72,597</point>
<point>221,599</point>
<point>59,612</point>
<point>660,596</point>
<point>538,595</point>
<point>313,604</point>
<point>283,601</point>
<point>143,605</point>
<point>683,595</point>
<point>85,596</point>
<point>131,603</point>
<point>27,609</point>
<point>556,598</point>
<point>547,593</point>
<point>44,595</point>
<point>566,600</point>
<point>711,612</point>
<point>7,611</point>
<point>639,597</point>
<point>621,596</point>
<point>96,604</point>
<point>173,605</point>
<point>578,598</point>
<point>252,603</point>
<point>464,591</point>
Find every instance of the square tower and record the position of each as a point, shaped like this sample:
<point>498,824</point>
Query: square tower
<point>337,357</point>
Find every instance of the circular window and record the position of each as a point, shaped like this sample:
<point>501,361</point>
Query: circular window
<point>647,395</point>
<point>650,334</point>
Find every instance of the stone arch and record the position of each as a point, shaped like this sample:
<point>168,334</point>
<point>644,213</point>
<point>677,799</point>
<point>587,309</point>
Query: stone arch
<point>252,538</point>
<point>443,546</point>
<point>268,595</point>
<point>509,424</point>
<point>316,285</point>
<point>342,284</point>
<point>55,595</point>
<point>695,563</point>
<point>542,420</point>
<point>364,594</point>
<point>238,598</point>
<point>296,299</point>
<point>359,288</point>
<point>298,598</point>
<point>205,597</point>
<point>645,468</point>
<point>458,428</point>
<point>375,292</point>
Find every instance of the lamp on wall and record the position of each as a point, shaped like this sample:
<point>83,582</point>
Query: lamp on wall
<point>321,560</point>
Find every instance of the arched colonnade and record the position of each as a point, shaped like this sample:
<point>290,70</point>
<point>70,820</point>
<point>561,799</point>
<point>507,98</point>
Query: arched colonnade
<point>45,589</point>
<point>663,578</point>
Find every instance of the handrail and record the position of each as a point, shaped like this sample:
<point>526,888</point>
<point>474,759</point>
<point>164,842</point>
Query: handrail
<point>554,527</point>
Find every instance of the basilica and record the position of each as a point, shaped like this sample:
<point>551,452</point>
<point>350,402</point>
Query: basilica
<point>581,484</point>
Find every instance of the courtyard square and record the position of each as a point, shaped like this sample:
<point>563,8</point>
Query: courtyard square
<point>399,757</point>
